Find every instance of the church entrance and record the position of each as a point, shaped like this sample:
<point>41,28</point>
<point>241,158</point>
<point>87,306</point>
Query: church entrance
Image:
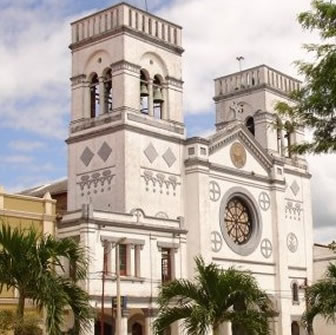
<point>136,329</point>
<point>295,328</point>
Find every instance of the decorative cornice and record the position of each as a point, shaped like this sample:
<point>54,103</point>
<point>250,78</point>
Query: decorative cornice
<point>125,29</point>
<point>197,140</point>
<point>124,65</point>
<point>80,79</point>
<point>175,82</point>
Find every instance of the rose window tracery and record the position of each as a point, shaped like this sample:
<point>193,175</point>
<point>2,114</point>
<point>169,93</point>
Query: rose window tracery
<point>238,221</point>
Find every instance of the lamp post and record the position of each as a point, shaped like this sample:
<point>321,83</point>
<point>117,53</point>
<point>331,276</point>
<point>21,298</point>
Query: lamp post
<point>118,323</point>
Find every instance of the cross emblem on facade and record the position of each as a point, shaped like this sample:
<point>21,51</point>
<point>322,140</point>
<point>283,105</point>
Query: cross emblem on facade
<point>266,248</point>
<point>216,241</point>
<point>214,191</point>
<point>264,201</point>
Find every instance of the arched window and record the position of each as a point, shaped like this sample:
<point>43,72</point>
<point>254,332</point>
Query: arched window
<point>295,292</point>
<point>108,91</point>
<point>295,328</point>
<point>157,97</point>
<point>250,125</point>
<point>94,96</point>
<point>144,92</point>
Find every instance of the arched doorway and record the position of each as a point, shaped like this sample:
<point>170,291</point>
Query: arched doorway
<point>295,328</point>
<point>108,329</point>
<point>136,329</point>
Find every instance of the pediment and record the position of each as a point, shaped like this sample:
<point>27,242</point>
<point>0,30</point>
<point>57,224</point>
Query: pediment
<point>257,159</point>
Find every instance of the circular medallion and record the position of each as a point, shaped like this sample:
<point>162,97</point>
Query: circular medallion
<point>216,241</point>
<point>266,248</point>
<point>292,242</point>
<point>264,201</point>
<point>238,155</point>
<point>214,191</point>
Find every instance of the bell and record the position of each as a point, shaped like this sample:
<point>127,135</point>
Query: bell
<point>144,90</point>
<point>157,96</point>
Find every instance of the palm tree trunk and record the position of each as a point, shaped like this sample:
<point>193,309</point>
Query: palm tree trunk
<point>216,330</point>
<point>19,312</point>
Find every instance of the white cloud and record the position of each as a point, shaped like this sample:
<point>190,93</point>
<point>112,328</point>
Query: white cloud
<point>216,32</point>
<point>16,159</point>
<point>25,146</point>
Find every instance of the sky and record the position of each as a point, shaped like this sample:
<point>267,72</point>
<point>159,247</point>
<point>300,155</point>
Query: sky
<point>35,69</point>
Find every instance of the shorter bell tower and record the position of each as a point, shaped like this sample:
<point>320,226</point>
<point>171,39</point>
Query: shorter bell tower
<point>250,96</point>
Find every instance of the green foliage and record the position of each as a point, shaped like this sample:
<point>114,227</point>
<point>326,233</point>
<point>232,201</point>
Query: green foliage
<point>315,102</point>
<point>214,297</point>
<point>28,326</point>
<point>321,299</point>
<point>32,264</point>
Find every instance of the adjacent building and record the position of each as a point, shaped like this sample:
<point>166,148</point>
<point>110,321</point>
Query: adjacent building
<point>25,212</point>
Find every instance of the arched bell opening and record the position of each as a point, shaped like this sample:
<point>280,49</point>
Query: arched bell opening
<point>157,97</point>
<point>94,96</point>
<point>144,92</point>
<point>250,125</point>
<point>108,91</point>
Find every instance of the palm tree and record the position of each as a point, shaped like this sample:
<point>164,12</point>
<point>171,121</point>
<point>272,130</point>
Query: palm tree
<point>321,299</point>
<point>214,298</point>
<point>31,263</point>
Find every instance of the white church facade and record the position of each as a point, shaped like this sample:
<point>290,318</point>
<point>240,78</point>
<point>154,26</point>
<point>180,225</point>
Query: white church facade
<point>136,183</point>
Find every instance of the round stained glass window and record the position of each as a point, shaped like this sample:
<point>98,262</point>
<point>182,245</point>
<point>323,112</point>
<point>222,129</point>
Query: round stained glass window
<point>238,221</point>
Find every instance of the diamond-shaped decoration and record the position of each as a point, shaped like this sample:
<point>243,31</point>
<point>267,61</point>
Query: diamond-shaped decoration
<point>151,153</point>
<point>104,152</point>
<point>169,157</point>
<point>86,156</point>
<point>295,187</point>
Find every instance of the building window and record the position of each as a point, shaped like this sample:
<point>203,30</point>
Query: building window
<point>157,97</point>
<point>250,125</point>
<point>238,221</point>
<point>123,259</point>
<point>144,92</point>
<point>94,96</point>
<point>295,293</point>
<point>108,91</point>
<point>166,265</point>
<point>295,328</point>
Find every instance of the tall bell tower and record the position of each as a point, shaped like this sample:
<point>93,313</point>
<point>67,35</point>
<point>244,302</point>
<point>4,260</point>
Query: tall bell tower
<point>126,131</point>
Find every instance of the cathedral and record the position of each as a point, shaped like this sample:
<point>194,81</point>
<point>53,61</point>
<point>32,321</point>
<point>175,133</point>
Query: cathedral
<point>145,199</point>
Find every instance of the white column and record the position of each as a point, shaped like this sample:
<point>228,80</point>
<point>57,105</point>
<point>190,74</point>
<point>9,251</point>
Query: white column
<point>101,96</point>
<point>87,100</point>
<point>164,115</point>
<point>148,321</point>
<point>123,323</point>
<point>131,260</point>
<point>150,98</point>
<point>137,270</point>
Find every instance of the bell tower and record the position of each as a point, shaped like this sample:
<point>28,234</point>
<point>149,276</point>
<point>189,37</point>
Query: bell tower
<point>126,115</point>
<point>250,97</point>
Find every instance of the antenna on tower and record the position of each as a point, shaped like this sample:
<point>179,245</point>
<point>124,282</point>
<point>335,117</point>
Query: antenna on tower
<point>146,5</point>
<point>240,60</point>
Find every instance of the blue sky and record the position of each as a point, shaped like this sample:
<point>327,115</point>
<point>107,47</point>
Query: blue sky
<point>35,71</point>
